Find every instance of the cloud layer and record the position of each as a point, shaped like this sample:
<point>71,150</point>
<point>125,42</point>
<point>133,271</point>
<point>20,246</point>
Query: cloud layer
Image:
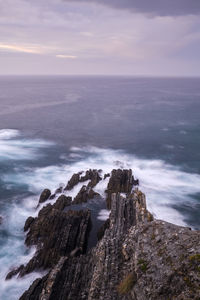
<point>154,7</point>
<point>83,37</point>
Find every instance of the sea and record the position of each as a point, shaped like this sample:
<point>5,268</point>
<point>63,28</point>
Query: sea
<point>54,126</point>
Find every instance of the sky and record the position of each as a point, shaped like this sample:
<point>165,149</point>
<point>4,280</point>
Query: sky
<point>100,37</point>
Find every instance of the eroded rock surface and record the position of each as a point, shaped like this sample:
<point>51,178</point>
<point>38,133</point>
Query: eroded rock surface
<point>55,233</point>
<point>92,175</point>
<point>136,258</point>
<point>121,181</point>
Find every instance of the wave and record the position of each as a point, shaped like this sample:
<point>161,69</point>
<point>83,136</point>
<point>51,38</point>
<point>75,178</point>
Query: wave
<point>14,147</point>
<point>164,185</point>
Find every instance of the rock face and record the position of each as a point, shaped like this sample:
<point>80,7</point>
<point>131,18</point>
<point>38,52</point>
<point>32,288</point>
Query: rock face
<point>55,233</point>
<point>85,193</point>
<point>120,181</point>
<point>136,258</point>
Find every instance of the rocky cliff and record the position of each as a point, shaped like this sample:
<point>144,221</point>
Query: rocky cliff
<point>136,257</point>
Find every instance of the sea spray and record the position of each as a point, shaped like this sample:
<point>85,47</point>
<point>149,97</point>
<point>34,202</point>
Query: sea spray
<point>163,184</point>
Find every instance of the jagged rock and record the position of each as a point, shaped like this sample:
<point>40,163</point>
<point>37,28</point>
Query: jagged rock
<point>55,233</point>
<point>14,272</point>
<point>106,176</point>
<point>135,181</point>
<point>84,194</point>
<point>138,258</point>
<point>84,267</point>
<point>59,190</point>
<point>28,223</point>
<point>92,175</point>
<point>45,195</point>
<point>35,289</point>
<point>121,181</point>
<point>75,179</point>
<point>62,202</point>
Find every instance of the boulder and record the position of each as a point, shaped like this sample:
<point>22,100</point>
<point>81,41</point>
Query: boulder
<point>28,223</point>
<point>45,195</point>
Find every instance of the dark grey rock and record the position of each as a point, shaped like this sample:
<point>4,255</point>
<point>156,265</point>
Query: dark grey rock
<point>121,181</point>
<point>137,257</point>
<point>44,195</point>
<point>28,223</point>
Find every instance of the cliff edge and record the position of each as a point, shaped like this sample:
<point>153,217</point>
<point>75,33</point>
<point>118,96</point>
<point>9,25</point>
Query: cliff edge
<point>136,257</point>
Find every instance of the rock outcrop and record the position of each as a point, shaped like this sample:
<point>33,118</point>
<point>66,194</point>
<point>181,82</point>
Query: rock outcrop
<point>121,181</point>
<point>85,193</point>
<point>136,257</point>
<point>55,233</point>
<point>92,175</point>
<point>45,195</point>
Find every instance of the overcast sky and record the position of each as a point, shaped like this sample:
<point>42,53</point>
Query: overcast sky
<point>121,37</point>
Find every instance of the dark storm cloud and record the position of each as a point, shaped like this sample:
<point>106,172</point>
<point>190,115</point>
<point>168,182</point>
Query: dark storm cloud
<point>153,7</point>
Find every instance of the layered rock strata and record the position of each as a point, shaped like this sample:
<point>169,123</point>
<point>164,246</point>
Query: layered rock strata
<point>121,181</point>
<point>136,258</point>
<point>55,233</point>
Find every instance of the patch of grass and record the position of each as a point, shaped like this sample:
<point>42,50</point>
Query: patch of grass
<point>195,258</point>
<point>150,217</point>
<point>143,265</point>
<point>127,284</point>
<point>195,262</point>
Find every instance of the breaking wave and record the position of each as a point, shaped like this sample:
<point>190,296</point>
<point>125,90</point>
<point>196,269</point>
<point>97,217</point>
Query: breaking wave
<point>164,185</point>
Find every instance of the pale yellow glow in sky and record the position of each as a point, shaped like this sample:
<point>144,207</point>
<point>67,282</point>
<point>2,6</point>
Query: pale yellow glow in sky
<point>23,49</point>
<point>66,56</point>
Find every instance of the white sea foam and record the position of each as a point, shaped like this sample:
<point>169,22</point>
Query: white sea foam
<point>6,134</point>
<point>163,184</point>
<point>103,214</point>
<point>13,252</point>
<point>14,147</point>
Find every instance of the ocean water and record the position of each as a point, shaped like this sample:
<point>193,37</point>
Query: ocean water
<point>52,127</point>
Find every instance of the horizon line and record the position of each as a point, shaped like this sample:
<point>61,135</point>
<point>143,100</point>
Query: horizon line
<point>101,75</point>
